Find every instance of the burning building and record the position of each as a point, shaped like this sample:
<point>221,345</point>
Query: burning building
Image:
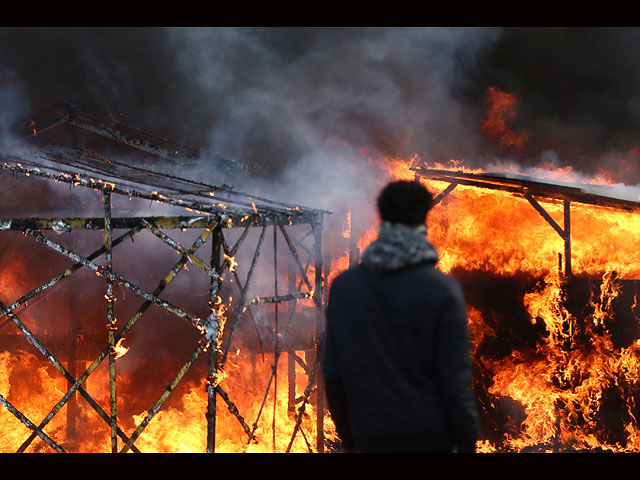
<point>119,334</point>
<point>134,300</point>
<point>550,270</point>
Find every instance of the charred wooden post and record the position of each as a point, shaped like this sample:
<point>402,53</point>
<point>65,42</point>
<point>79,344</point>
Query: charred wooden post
<point>216,248</point>
<point>276,346</point>
<point>111,321</point>
<point>565,233</point>
<point>291,365</point>
<point>318,298</point>
<point>567,240</point>
<point>73,409</point>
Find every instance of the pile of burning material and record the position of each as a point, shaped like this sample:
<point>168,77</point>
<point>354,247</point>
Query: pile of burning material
<point>66,281</point>
<point>550,271</point>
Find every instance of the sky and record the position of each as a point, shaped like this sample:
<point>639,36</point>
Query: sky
<point>318,103</point>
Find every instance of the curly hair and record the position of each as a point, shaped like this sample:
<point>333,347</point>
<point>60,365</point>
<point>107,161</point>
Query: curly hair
<point>406,202</point>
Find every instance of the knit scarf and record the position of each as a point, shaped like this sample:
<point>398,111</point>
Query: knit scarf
<point>399,246</point>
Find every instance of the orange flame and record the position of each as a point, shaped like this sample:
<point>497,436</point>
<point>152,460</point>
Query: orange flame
<point>502,109</point>
<point>119,349</point>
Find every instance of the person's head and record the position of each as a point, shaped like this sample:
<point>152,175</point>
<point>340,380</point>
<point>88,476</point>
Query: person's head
<point>404,202</point>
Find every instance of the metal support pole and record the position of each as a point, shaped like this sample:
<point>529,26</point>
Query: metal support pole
<point>565,233</point>
<point>318,295</point>
<point>276,348</point>
<point>567,239</point>
<point>213,351</point>
<point>111,320</point>
<point>291,364</point>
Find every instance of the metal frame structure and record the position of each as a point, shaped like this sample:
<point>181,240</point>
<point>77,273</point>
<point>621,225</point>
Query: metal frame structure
<point>207,208</point>
<point>530,189</point>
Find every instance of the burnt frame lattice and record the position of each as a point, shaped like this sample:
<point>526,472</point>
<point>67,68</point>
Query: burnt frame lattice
<point>236,210</point>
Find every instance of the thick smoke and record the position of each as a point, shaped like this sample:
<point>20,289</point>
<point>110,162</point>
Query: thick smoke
<point>579,94</point>
<point>278,98</point>
<point>308,107</point>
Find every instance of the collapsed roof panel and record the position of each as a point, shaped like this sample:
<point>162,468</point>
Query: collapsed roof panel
<point>132,136</point>
<point>148,180</point>
<point>90,169</point>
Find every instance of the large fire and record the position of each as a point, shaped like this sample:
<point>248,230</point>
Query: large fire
<point>269,403</point>
<point>555,359</point>
<point>182,428</point>
<point>562,381</point>
<point>556,364</point>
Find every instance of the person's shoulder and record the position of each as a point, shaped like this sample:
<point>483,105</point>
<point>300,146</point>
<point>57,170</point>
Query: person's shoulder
<point>452,286</point>
<point>350,274</point>
<point>444,280</point>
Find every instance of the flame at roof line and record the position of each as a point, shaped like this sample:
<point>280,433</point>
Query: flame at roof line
<point>81,166</point>
<point>614,196</point>
<point>90,169</point>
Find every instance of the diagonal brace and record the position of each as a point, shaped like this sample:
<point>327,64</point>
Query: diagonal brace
<point>165,281</point>
<point>100,270</point>
<point>179,248</point>
<point>546,216</point>
<point>4,402</point>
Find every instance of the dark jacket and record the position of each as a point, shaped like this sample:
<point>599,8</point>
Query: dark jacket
<point>396,361</point>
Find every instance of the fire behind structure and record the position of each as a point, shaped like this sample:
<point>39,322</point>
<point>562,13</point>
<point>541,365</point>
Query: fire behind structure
<point>247,278</point>
<point>561,374</point>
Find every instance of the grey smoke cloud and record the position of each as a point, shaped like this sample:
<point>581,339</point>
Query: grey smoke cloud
<point>283,98</point>
<point>579,90</point>
<point>301,102</point>
<point>15,105</point>
<point>286,91</point>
